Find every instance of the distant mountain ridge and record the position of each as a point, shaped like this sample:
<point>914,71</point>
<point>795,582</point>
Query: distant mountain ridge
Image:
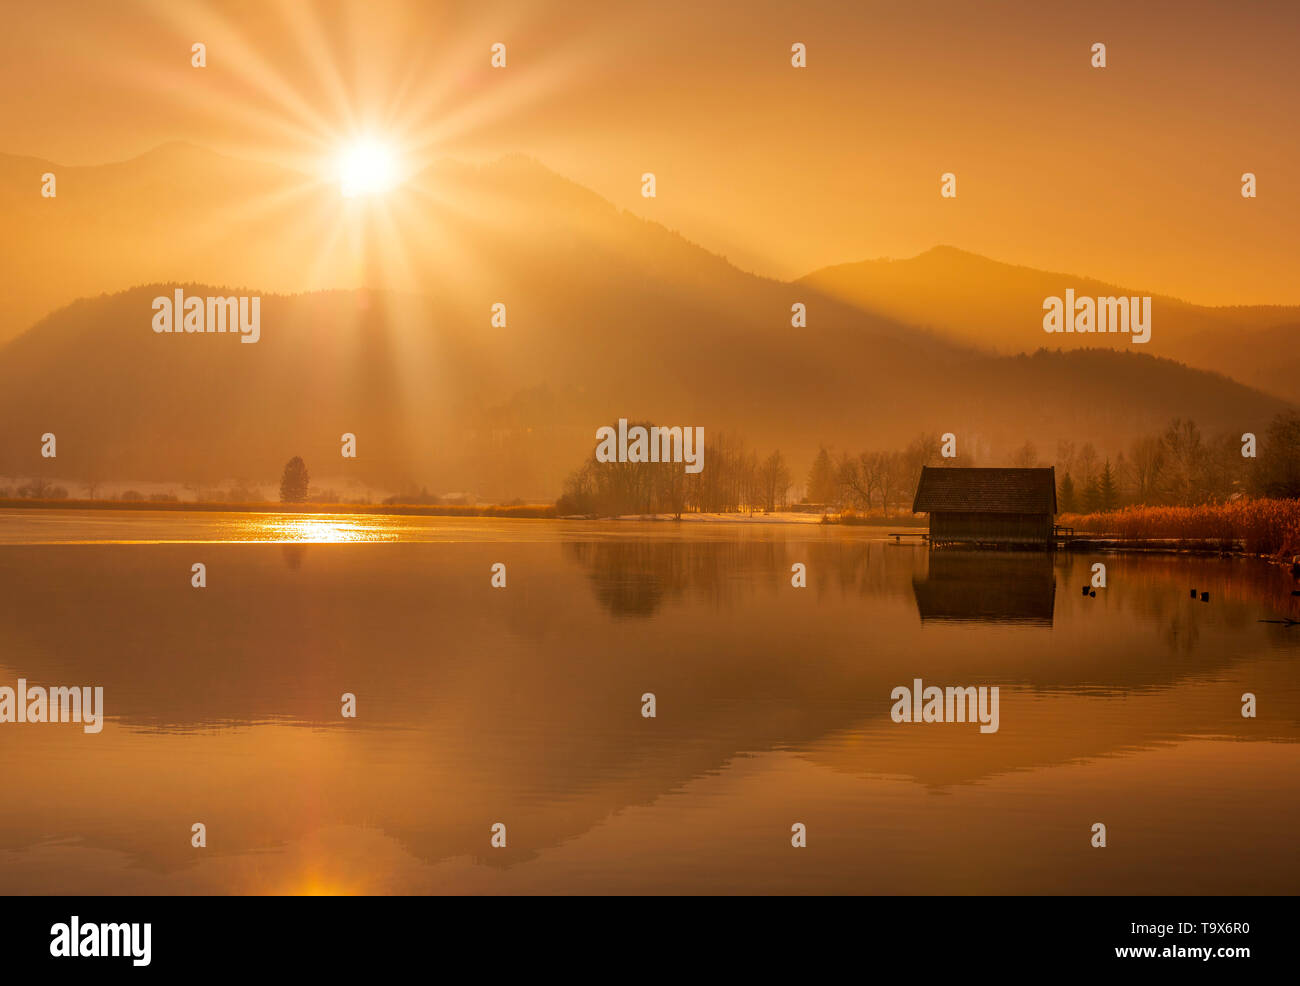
<point>436,400</point>
<point>998,306</point>
<point>608,316</point>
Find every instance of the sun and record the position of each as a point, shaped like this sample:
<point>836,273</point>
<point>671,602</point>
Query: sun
<point>366,167</point>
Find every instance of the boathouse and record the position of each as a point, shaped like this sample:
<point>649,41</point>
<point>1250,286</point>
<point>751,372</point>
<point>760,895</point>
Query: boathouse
<point>991,507</point>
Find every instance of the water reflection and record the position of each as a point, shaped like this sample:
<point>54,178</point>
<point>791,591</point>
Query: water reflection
<point>293,555</point>
<point>522,705</point>
<point>633,578</point>
<point>326,530</point>
<point>987,587</point>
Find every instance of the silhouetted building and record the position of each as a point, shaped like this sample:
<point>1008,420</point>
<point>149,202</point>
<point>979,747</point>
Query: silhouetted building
<point>992,507</point>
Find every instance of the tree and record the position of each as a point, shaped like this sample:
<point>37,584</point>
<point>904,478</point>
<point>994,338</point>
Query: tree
<point>1185,456</point>
<point>1066,496</point>
<point>890,475</point>
<point>670,488</point>
<point>579,495</point>
<point>39,488</point>
<point>1278,473</point>
<point>1065,456</point>
<point>1224,471</point>
<point>1026,456</point>
<point>861,478</point>
<point>1087,464</point>
<point>775,481</point>
<point>294,482</point>
<point>1148,464</point>
<point>1107,493</point>
<point>857,479</point>
<point>751,492</point>
<point>823,481</point>
<point>922,451</point>
<point>1091,495</point>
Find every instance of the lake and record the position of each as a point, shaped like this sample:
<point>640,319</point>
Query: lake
<point>523,706</point>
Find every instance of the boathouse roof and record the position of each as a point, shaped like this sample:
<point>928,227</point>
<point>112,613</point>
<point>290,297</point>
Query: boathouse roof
<point>953,489</point>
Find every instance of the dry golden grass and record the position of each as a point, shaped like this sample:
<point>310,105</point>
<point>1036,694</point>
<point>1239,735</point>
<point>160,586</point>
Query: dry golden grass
<point>1265,527</point>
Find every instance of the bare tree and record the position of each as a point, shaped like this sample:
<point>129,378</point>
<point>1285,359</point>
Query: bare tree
<point>1146,468</point>
<point>1184,454</point>
<point>1087,462</point>
<point>1025,456</point>
<point>775,476</point>
<point>891,475</point>
<point>37,488</point>
<point>855,480</point>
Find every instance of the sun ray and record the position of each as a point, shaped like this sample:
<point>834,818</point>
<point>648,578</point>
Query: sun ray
<point>287,199</point>
<point>254,68</point>
<point>324,60</point>
<point>444,115</point>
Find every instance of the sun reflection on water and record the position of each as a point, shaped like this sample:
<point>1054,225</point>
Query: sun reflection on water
<point>333,529</point>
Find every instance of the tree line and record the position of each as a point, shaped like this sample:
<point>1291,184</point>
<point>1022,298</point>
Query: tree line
<point>1179,466</point>
<point>734,478</point>
<point>1175,466</point>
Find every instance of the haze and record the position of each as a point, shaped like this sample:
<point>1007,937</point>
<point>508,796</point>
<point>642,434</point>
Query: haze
<point>1130,174</point>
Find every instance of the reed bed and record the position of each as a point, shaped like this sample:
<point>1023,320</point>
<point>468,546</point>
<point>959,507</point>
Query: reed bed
<point>1262,526</point>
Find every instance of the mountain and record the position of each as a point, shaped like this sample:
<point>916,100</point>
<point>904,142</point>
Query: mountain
<point>608,316</point>
<point>178,213</point>
<point>998,306</point>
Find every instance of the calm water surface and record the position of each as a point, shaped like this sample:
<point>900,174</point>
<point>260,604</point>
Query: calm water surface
<point>523,706</point>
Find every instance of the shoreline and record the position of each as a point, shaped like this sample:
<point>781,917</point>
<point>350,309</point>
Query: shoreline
<point>533,511</point>
<point>538,511</point>
<point>1082,542</point>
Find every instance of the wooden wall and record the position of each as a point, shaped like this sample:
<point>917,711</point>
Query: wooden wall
<point>991,528</point>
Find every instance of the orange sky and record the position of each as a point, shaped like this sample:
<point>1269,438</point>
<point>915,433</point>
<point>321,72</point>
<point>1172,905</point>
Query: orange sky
<point>1130,174</point>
